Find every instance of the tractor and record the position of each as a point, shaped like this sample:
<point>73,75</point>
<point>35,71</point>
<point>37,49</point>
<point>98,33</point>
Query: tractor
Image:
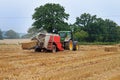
<point>52,42</point>
<point>67,40</point>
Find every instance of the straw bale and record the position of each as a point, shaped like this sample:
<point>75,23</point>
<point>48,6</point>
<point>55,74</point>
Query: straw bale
<point>29,44</point>
<point>111,49</point>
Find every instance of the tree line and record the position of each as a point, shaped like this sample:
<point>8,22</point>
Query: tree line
<point>96,29</point>
<point>87,27</point>
<point>11,34</point>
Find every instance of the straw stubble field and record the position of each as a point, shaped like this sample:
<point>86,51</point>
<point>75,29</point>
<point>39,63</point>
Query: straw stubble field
<point>91,62</point>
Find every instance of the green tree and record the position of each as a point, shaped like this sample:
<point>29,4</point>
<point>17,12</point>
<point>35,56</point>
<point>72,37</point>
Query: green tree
<point>81,36</point>
<point>98,29</point>
<point>110,33</point>
<point>1,37</point>
<point>87,23</point>
<point>10,34</point>
<point>85,20</point>
<point>50,16</point>
<point>118,33</point>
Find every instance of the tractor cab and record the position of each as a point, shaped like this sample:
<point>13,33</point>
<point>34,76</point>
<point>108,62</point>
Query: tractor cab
<point>65,36</point>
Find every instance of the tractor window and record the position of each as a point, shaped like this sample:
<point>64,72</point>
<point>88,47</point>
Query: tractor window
<point>62,35</point>
<point>69,34</point>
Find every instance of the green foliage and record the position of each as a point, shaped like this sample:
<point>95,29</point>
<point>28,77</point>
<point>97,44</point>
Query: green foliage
<point>110,30</point>
<point>85,20</point>
<point>98,29</point>
<point>49,17</point>
<point>80,36</point>
<point>1,37</point>
<point>10,34</point>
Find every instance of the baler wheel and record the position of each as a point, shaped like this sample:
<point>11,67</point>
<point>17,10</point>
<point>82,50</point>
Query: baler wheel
<point>54,49</point>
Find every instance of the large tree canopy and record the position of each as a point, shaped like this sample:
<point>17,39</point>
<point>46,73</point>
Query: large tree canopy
<point>49,17</point>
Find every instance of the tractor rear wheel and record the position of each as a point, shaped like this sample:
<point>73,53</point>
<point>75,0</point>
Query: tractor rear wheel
<point>70,47</point>
<point>76,47</point>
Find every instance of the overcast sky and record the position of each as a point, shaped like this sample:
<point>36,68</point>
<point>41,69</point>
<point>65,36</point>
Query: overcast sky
<point>17,14</point>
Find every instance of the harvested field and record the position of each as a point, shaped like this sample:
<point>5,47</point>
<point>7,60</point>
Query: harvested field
<point>13,41</point>
<point>91,62</point>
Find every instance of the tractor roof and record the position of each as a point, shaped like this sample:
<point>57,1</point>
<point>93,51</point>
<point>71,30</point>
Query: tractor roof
<point>64,31</point>
<point>47,34</point>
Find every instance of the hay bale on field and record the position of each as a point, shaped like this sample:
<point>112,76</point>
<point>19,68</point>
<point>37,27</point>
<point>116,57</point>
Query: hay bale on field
<point>111,49</point>
<point>118,45</point>
<point>29,45</point>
